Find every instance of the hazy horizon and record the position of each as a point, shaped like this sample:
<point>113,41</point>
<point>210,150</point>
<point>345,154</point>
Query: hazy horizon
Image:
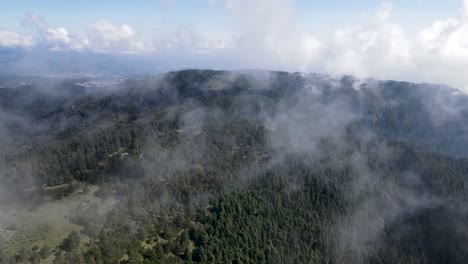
<point>418,41</point>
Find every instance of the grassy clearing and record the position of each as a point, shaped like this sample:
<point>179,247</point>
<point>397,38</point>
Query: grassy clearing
<point>45,222</point>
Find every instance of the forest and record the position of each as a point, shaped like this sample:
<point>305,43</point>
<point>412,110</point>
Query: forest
<point>205,166</point>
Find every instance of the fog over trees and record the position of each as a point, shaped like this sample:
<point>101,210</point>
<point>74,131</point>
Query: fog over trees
<point>232,167</point>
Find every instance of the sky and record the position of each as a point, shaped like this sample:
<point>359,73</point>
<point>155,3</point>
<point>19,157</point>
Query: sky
<point>419,40</point>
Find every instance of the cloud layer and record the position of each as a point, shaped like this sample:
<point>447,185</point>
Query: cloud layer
<point>267,34</point>
<point>13,39</point>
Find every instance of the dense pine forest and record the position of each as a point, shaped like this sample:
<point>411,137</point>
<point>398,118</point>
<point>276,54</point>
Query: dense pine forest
<point>202,166</point>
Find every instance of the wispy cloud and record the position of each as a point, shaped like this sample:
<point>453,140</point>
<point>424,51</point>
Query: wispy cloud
<point>105,36</point>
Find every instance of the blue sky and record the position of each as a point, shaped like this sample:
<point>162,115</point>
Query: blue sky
<point>419,40</point>
<point>147,14</point>
<point>142,14</point>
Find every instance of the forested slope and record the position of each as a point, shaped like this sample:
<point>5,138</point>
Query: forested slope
<point>241,167</point>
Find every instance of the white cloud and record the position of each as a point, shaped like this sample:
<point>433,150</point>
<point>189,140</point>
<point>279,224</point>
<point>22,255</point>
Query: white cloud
<point>56,38</point>
<point>465,8</point>
<point>108,32</point>
<point>105,37</point>
<point>58,34</point>
<point>448,38</point>
<point>102,36</point>
<point>266,35</point>
<point>443,50</point>
<point>378,49</point>
<point>13,39</point>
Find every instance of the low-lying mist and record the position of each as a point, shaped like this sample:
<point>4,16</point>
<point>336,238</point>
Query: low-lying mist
<point>374,169</point>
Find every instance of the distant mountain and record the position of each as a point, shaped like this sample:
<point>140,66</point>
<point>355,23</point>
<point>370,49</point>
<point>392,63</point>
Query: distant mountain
<point>434,117</point>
